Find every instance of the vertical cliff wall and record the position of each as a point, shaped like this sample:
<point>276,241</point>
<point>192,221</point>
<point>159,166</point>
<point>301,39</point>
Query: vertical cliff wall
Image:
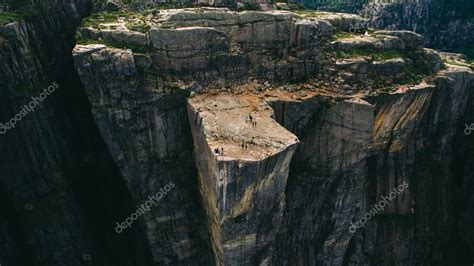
<point>57,178</point>
<point>243,184</point>
<point>144,125</point>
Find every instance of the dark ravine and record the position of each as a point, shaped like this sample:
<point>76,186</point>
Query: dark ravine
<point>58,181</point>
<point>122,124</point>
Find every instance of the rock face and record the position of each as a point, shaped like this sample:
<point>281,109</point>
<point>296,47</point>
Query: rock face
<point>279,132</point>
<point>446,25</point>
<point>150,141</point>
<point>58,182</point>
<point>324,150</point>
<point>243,185</point>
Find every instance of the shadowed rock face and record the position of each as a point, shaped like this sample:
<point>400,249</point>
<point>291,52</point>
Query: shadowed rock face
<point>57,178</point>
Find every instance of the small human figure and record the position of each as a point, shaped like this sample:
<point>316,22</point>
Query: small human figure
<point>222,151</point>
<point>243,144</point>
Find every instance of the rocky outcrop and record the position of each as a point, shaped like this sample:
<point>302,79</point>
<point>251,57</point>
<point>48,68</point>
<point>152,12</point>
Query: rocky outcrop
<point>58,182</point>
<point>149,138</point>
<point>446,25</point>
<point>243,184</point>
<point>364,126</point>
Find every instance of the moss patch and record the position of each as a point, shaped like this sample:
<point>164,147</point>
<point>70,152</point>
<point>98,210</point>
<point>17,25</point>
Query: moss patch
<point>174,5</point>
<point>342,35</point>
<point>112,17</point>
<point>308,12</point>
<point>7,17</point>
<point>250,6</point>
<point>464,63</point>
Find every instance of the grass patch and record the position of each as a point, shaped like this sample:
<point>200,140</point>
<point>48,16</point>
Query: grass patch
<point>134,21</point>
<point>9,16</point>
<point>308,12</point>
<point>470,63</point>
<point>373,55</point>
<point>102,17</point>
<point>412,75</point>
<point>112,17</point>
<point>342,35</point>
<point>250,6</point>
<point>174,5</point>
<point>137,26</point>
<point>464,63</point>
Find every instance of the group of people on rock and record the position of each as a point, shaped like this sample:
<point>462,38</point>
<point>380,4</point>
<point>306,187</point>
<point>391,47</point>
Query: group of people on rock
<point>245,144</point>
<point>219,152</point>
<point>252,120</point>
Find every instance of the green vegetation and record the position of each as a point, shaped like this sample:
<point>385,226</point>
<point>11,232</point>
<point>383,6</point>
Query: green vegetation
<point>378,55</point>
<point>411,75</point>
<point>137,26</point>
<point>172,5</point>
<point>108,17</point>
<point>134,21</point>
<point>18,10</point>
<point>342,35</point>
<point>297,6</point>
<point>308,12</point>
<point>250,6</point>
<point>9,16</point>
<point>464,63</point>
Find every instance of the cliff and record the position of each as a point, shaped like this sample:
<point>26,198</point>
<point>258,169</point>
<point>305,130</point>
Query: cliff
<point>283,169</point>
<point>446,25</point>
<point>280,133</point>
<point>58,182</point>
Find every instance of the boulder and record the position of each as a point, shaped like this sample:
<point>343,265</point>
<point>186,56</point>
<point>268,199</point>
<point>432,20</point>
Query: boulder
<point>412,40</point>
